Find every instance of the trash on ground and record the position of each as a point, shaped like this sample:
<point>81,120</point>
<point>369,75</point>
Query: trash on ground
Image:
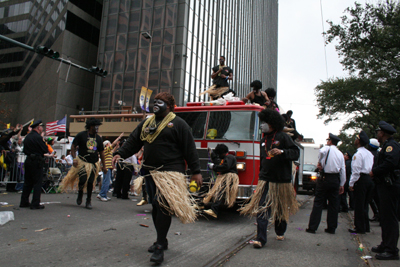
<point>68,215</point>
<point>143,225</point>
<point>178,233</point>
<point>44,229</point>
<point>251,241</point>
<point>3,203</point>
<point>22,240</point>
<point>147,211</point>
<point>6,216</point>
<point>366,257</point>
<point>111,229</point>
<point>135,200</point>
<point>300,229</point>
<point>42,203</point>
<point>361,247</point>
<point>6,206</point>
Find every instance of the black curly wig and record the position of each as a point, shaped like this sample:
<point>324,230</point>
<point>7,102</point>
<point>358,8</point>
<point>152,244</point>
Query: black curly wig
<point>270,92</point>
<point>92,122</point>
<point>221,149</point>
<point>256,84</point>
<point>273,118</point>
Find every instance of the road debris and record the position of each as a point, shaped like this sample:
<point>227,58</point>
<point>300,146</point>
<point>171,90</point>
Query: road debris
<point>44,229</point>
<point>111,229</point>
<point>144,225</point>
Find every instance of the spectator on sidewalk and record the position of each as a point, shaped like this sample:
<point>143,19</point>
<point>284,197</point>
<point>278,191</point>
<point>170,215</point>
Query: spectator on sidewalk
<point>107,177</point>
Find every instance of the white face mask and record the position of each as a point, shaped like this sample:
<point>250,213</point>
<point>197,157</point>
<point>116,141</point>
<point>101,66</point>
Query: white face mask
<point>264,127</point>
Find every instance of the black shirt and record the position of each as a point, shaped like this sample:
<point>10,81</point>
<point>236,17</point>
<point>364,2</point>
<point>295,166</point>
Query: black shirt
<point>89,146</point>
<point>169,150</point>
<point>35,144</point>
<point>221,82</point>
<point>277,169</point>
<point>226,165</point>
<point>388,159</point>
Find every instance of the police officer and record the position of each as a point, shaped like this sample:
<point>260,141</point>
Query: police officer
<point>361,183</point>
<point>329,186</point>
<point>34,148</point>
<point>386,175</point>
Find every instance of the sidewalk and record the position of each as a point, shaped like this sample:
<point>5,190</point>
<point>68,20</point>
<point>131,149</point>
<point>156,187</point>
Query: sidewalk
<point>321,249</point>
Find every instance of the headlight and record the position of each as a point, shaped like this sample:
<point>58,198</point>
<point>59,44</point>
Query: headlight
<point>241,166</point>
<point>313,177</point>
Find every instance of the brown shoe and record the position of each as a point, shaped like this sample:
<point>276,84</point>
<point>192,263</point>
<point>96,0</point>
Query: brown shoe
<point>211,213</point>
<point>142,202</point>
<point>280,237</point>
<point>257,244</point>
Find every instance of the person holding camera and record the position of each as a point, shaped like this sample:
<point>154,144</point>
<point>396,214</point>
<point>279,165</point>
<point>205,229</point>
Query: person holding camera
<point>386,175</point>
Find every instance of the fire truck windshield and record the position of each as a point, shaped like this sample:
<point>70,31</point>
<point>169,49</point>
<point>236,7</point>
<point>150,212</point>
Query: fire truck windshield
<point>225,125</point>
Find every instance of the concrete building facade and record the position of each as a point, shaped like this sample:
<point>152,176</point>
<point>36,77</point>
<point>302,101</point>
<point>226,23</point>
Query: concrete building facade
<point>34,86</point>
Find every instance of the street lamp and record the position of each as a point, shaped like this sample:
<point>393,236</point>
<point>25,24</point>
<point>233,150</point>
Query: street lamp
<point>147,36</point>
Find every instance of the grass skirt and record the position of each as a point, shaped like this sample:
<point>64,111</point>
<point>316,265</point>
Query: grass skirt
<point>226,185</point>
<point>281,198</point>
<point>215,91</point>
<point>172,194</point>
<point>71,180</point>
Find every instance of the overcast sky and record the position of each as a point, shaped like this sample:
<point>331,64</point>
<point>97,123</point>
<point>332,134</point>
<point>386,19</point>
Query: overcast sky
<point>301,60</point>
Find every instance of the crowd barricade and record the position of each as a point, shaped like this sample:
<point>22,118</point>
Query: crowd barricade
<point>12,171</point>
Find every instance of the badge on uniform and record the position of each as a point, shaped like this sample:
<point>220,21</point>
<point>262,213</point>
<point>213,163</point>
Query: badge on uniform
<point>389,149</point>
<point>354,158</point>
<point>170,125</point>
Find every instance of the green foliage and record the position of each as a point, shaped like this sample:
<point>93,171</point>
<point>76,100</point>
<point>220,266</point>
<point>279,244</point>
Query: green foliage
<point>369,48</point>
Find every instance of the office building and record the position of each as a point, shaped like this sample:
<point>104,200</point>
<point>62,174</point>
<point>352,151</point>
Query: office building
<point>187,38</point>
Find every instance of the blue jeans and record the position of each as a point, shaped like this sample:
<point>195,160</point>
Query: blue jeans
<point>106,183</point>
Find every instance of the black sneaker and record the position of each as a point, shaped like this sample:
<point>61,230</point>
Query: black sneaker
<point>88,205</point>
<point>153,247</point>
<point>39,207</point>
<point>158,255</point>
<point>378,249</point>
<point>79,199</point>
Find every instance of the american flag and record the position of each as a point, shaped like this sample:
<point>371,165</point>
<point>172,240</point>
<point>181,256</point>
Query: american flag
<point>56,126</point>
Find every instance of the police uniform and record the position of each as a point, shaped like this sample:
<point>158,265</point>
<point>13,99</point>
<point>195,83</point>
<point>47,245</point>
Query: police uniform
<point>334,176</point>
<point>360,180</point>
<point>34,148</point>
<point>386,176</point>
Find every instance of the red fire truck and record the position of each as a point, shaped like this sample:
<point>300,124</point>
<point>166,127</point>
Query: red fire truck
<point>237,126</point>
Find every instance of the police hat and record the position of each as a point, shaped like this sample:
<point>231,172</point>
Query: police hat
<point>374,143</point>
<point>386,127</point>
<point>363,137</point>
<point>36,124</point>
<point>334,138</point>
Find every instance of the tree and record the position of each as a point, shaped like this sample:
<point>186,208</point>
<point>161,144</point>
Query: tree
<point>369,48</point>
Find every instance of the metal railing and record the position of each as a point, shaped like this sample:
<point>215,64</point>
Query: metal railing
<point>12,171</point>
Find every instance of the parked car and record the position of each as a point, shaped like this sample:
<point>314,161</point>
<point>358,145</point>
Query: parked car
<point>310,176</point>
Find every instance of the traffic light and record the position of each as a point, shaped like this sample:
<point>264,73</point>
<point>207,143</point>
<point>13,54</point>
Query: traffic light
<point>98,71</point>
<point>47,52</point>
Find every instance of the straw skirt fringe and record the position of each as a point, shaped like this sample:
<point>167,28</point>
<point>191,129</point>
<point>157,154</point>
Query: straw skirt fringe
<point>226,185</point>
<point>71,180</point>
<point>215,91</point>
<point>172,194</point>
<point>280,198</point>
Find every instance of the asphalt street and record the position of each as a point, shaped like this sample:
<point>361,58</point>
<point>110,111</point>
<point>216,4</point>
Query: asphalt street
<point>114,233</point>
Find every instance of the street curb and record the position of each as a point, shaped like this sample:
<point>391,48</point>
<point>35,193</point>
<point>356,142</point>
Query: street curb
<point>360,241</point>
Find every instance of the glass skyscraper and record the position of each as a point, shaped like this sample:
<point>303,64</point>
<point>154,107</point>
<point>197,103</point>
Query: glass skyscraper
<point>188,37</point>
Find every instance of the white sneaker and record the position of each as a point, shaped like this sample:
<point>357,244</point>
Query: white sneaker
<point>108,198</point>
<point>102,198</point>
<point>111,190</point>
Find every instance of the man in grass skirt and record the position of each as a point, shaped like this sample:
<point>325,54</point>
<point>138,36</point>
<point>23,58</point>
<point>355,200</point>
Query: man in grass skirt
<point>274,196</point>
<point>168,142</point>
<point>227,183</point>
<point>86,166</point>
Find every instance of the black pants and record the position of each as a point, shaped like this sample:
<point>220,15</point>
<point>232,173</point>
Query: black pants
<point>82,180</point>
<point>33,180</point>
<point>362,194</point>
<point>262,221</point>
<point>122,180</point>
<point>161,218</point>
<point>389,200</point>
<point>327,189</point>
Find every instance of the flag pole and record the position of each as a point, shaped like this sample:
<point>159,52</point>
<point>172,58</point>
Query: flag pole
<point>65,133</point>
